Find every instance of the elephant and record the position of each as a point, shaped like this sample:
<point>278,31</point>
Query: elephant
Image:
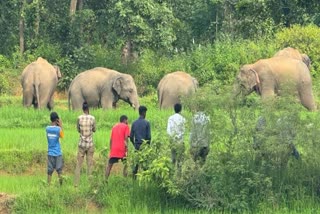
<point>39,81</point>
<point>102,88</point>
<point>174,85</point>
<point>276,76</point>
<point>295,54</point>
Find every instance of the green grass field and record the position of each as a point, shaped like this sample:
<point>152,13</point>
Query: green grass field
<point>23,165</point>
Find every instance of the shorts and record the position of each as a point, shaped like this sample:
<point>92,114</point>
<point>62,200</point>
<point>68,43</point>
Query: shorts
<point>116,160</point>
<point>55,163</point>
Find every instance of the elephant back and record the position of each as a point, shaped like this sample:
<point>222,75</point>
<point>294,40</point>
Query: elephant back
<point>174,85</point>
<point>294,54</point>
<point>39,71</point>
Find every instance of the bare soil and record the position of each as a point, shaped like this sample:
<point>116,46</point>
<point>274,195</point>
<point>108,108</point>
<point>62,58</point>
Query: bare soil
<point>5,202</point>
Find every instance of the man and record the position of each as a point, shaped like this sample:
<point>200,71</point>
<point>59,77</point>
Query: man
<point>200,136</point>
<point>86,125</point>
<point>54,132</point>
<point>175,130</point>
<point>118,145</point>
<point>140,133</point>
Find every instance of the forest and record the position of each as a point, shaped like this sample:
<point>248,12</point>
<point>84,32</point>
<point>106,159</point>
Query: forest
<point>147,38</point>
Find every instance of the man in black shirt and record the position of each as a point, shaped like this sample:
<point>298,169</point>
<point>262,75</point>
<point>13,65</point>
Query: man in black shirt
<point>140,132</point>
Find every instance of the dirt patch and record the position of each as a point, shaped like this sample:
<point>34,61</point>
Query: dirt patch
<point>93,207</point>
<point>6,201</point>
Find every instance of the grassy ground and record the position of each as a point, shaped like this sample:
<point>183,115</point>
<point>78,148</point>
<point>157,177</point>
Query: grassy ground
<point>23,166</point>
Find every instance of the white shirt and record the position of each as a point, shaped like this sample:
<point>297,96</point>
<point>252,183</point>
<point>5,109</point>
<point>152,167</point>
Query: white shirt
<point>176,126</point>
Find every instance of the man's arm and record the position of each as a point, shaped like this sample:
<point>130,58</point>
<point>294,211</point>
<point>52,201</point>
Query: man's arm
<point>148,133</point>
<point>132,134</point>
<point>61,134</point>
<point>78,125</point>
<point>94,125</point>
<point>169,127</point>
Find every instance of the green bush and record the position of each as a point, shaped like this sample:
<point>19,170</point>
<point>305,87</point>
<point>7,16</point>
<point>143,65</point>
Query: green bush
<point>304,38</point>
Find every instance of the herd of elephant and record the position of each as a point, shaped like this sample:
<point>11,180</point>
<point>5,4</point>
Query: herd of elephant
<point>102,87</point>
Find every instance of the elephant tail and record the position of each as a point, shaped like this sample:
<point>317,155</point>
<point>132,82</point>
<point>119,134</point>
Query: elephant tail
<point>69,96</point>
<point>159,97</point>
<point>36,89</point>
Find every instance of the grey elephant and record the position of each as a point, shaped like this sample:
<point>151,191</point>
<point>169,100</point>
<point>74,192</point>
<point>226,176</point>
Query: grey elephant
<point>294,54</point>
<point>102,88</point>
<point>39,81</point>
<point>276,76</point>
<point>173,86</point>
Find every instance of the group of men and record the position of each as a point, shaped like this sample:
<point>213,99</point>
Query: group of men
<point>119,138</point>
<point>86,125</point>
<point>199,136</point>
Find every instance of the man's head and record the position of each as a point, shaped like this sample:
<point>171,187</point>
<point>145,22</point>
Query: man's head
<point>54,117</point>
<point>124,119</point>
<point>85,106</point>
<point>142,111</point>
<point>177,107</point>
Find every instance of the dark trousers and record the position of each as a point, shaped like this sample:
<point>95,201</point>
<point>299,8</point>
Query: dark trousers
<point>136,167</point>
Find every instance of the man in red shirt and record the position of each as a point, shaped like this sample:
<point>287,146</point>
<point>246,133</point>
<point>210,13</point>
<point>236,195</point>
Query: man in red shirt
<point>120,134</point>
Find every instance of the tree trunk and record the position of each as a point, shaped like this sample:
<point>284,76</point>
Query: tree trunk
<point>80,4</point>
<point>73,7</point>
<point>37,21</point>
<point>21,27</point>
<point>126,53</point>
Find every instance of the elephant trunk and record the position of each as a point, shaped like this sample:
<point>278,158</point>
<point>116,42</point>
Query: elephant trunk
<point>135,105</point>
<point>236,90</point>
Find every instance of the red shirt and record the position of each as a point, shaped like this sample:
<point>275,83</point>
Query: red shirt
<point>119,134</point>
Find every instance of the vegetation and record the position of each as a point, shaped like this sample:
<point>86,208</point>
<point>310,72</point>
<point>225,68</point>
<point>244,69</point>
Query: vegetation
<point>237,176</point>
<point>147,39</point>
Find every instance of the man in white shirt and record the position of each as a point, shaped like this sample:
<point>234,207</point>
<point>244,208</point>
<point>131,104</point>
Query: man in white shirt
<point>175,130</point>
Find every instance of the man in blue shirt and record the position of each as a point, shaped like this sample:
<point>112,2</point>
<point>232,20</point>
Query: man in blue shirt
<point>140,133</point>
<point>54,132</point>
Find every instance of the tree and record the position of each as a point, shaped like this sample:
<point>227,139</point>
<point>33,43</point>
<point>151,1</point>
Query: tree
<point>21,25</point>
<point>142,24</point>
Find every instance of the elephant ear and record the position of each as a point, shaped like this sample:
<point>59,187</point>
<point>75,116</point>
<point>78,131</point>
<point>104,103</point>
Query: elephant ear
<point>249,76</point>
<point>195,83</point>
<point>117,85</point>
<point>57,71</point>
<point>306,60</point>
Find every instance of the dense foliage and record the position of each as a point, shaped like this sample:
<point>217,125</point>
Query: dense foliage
<point>148,38</point>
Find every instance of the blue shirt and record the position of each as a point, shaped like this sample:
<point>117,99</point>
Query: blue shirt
<point>140,130</point>
<point>53,135</point>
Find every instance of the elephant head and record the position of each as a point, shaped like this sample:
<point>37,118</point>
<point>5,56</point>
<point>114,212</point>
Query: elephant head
<point>125,89</point>
<point>57,71</point>
<point>247,81</point>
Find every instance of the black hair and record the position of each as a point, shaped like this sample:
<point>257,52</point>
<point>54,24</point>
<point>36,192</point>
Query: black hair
<point>54,116</point>
<point>123,118</point>
<point>85,106</point>
<point>142,109</point>
<point>177,107</point>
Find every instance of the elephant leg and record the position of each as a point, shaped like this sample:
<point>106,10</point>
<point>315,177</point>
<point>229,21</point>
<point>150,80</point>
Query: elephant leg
<point>306,98</point>
<point>267,92</point>
<point>107,102</point>
<point>27,98</point>
<point>50,103</point>
<point>76,101</point>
